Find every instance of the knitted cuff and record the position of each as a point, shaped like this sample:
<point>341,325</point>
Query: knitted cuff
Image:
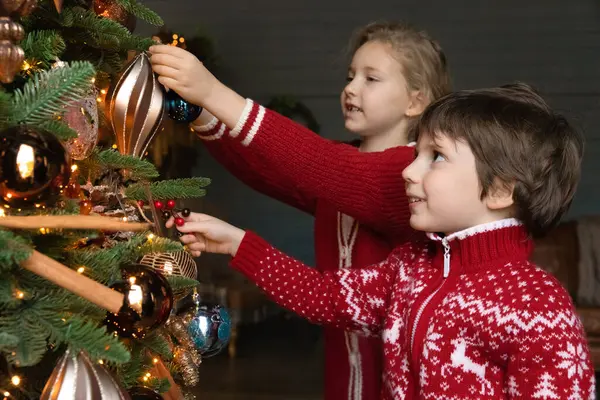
<point>251,255</point>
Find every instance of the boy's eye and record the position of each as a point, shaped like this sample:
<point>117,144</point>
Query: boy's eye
<point>372,79</point>
<point>349,78</point>
<point>437,157</point>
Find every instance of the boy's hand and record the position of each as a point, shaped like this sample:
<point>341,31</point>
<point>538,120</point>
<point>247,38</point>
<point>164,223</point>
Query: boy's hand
<point>206,233</point>
<point>181,71</point>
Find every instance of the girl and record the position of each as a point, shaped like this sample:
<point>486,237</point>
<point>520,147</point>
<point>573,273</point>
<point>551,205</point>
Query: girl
<point>360,211</point>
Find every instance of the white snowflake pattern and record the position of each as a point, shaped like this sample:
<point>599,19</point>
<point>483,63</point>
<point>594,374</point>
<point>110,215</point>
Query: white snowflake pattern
<point>574,360</point>
<point>430,342</point>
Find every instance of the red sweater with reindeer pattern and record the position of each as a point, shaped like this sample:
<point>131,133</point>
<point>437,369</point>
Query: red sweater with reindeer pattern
<point>360,209</point>
<point>465,317</point>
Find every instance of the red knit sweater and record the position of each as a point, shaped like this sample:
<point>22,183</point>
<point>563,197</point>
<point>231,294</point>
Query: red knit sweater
<point>465,317</point>
<point>331,181</point>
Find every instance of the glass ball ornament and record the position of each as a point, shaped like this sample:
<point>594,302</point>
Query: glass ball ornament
<point>180,110</point>
<point>143,393</point>
<point>34,167</point>
<point>148,298</point>
<point>209,327</point>
<point>82,117</point>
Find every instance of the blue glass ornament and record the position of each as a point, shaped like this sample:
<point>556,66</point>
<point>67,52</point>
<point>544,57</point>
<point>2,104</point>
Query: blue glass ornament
<point>209,327</point>
<point>180,110</point>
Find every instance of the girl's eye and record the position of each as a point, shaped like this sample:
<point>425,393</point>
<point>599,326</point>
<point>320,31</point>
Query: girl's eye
<point>437,157</point>
<point>349,78</point>
<point>372,79</point>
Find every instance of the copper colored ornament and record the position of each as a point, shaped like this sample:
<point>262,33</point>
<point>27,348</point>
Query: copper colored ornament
<point>112,10</point>
<point>135,107</point>
<point>16,8</point>
<point>58,4</point>
<point>149,299</point>
<point>77,377</point>
<point>73,190</point>
<point>85,207</point>
<point>11,55</point>
<point>34,167</point>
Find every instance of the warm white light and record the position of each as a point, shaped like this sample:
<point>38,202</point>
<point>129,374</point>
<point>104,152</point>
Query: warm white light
<point>25,161</point>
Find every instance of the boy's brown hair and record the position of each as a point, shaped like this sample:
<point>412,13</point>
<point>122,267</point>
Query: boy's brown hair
<point>423,62</point>
<point>517,139</point>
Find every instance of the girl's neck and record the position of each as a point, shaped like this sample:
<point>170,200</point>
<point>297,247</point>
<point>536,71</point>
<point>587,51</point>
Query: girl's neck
<point>383,141</point>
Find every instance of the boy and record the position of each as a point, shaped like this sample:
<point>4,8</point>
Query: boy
<point>464,315</point>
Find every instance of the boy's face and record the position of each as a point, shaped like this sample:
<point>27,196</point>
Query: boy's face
<point>443,187</point>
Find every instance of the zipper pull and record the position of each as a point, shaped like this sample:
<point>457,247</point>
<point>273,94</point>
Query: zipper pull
<point>446,258</point>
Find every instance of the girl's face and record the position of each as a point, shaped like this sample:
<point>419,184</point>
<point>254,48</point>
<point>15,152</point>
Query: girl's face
<point>376,100</point>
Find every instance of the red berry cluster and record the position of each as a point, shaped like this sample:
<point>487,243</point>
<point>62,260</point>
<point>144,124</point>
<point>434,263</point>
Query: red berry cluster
<point>168,210</point>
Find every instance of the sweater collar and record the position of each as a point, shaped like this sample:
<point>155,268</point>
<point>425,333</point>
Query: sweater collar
<point>481,246</point>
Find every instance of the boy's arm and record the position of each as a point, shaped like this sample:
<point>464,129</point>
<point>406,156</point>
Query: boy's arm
<point>350,299</point>
<point>366,186</point>
<point>550,358</point>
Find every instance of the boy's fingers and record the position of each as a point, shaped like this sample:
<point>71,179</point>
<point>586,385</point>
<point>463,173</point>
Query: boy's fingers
<point>188,239</point>
<point>193,227</point>
<point>170,222</point>
<point>197,246</point>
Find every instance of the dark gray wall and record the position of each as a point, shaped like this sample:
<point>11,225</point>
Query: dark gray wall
<point>270,47</point>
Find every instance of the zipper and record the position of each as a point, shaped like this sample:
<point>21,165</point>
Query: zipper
<point>421,309</point>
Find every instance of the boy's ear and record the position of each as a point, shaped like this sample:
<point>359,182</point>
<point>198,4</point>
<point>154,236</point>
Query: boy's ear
<point>417,104</point>
<point>500,195</point>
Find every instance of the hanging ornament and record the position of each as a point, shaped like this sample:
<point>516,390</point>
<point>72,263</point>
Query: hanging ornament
<point>77,377</point>
<point>179,263</point>
<point>34,167</point>
<point>149,299</point>
<point>82,117</point>
<point>189,369</point>
<point>11,55</point>
<point>176,327</point>
<point>135,107</point>
<point>180,110</point>
<point>209,327</point>
<point>111,9</point>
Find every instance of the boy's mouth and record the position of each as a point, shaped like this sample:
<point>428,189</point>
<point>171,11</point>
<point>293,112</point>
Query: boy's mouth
<point>353,108</point>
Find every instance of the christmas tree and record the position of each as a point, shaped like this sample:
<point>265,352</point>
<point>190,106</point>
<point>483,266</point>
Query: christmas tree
<point>77,222</point>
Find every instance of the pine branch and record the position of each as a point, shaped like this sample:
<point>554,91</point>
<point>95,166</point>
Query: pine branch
<point>181,283</point>
<point>100,161</point>
<point>141,11</point>
<point>8,342</point>
<point>59,129</point>
<point>47,93</point>
<point>104,265</point>
<point>14,250</point>
<point>157,345</point>
<point>44,45</point>
<point>6,108</point>
<point>160,245</point>
<point>131,372</point>
<point>171,189</point>
<point>81,334</point>
<point>160,385</point>
<point>103,33</point>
